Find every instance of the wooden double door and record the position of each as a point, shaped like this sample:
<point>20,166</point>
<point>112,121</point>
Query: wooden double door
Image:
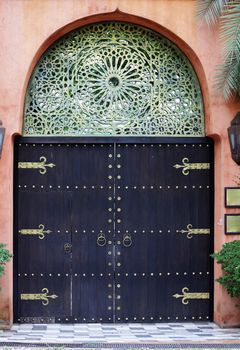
<point>113,231</point>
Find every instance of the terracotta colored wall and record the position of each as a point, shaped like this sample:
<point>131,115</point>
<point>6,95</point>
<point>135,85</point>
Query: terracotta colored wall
<point>27,27</point>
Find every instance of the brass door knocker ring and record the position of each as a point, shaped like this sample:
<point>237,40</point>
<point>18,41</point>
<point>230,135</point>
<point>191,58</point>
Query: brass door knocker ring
<point>127,240</point>
<point>101,240</point>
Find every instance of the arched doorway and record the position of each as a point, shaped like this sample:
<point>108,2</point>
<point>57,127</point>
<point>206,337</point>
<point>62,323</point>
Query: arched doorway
<point>114,175</point>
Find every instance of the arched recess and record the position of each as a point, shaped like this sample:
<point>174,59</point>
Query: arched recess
<point>113,78</point>
<point>119,79</point>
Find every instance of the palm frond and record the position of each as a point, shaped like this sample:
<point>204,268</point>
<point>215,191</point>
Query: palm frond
<point>227,79</point>
<point>210,10</point>
<point>230,28</point>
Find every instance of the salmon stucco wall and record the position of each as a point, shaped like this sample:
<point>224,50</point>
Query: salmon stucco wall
<point>28,27</point>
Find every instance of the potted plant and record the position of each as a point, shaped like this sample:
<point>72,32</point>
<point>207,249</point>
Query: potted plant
<point>229,258</point>
<point>5,256</point>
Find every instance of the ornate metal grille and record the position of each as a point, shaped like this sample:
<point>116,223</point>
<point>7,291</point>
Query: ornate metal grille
<point>113,78</point>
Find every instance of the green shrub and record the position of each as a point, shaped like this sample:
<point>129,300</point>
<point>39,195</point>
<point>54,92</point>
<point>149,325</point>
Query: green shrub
<point>229,258</point>
<point>5,256</point>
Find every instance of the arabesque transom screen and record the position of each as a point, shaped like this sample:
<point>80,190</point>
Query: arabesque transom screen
<point>113,79</point>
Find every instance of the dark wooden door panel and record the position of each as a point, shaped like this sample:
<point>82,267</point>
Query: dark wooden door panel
<point>93,234</point>
<point>93,298</point>
<point>43,229</point>
<point>154,298</point>
<point>156,165</point>
<point>163,230</point>
<point>113,232</point>
<point>43,297</point>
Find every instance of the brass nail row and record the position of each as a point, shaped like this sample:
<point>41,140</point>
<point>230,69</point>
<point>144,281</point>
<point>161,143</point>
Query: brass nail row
<point>127,274</point>
<point>110,187</point>
<point>128,318</point>
<point>110,145</point>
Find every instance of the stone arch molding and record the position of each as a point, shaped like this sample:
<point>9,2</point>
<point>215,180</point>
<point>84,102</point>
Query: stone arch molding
<point>113,79</point>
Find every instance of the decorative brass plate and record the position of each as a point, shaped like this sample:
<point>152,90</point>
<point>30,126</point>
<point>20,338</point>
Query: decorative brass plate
<point>195,231</point>
<point>37,231</point>
<point>36,165</point>
<point>39,296</point>
<point>186,295</point>
<point>191,166</point>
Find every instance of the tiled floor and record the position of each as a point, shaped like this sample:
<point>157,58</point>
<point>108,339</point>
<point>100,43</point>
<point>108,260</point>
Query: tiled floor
<point>120,333</point>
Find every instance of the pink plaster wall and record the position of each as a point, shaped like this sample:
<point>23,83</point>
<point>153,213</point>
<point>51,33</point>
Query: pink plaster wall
<point>27,27</point>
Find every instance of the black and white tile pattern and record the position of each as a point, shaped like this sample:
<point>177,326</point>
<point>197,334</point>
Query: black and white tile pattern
<point>119,333</point>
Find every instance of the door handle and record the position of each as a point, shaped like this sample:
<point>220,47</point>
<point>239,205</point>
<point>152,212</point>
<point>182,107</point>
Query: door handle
<point>127,240</point>
<point>101,240</point>
<point>67,248</point>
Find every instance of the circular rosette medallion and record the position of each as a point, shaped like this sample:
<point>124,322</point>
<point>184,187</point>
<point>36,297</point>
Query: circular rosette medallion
<point>114,83</point>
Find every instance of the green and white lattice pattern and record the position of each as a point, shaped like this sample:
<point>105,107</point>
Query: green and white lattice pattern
<point>112,79</point>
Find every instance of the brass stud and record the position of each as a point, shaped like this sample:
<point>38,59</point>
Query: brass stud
<point>119,264</point>
<point>118,285</point>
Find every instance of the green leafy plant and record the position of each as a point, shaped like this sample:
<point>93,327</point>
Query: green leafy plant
<point>227,14</point>
<point>5,256</point>
<point>229,258</point>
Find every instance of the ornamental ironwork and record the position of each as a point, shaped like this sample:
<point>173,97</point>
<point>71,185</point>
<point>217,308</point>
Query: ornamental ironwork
<point>186,296</point>
<point>113,78</point>
<point>41,165</point>
<point>187,166</point>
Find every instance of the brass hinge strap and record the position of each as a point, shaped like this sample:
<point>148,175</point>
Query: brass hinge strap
<point>186,295</point>
<point>42,165</point>
<point>39,296</point>
<point>186,166</point>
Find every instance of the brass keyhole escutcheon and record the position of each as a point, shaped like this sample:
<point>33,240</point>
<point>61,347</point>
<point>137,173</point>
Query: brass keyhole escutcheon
<point>67,248</point>
<point>101,240</point>
<point>127,240</point>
